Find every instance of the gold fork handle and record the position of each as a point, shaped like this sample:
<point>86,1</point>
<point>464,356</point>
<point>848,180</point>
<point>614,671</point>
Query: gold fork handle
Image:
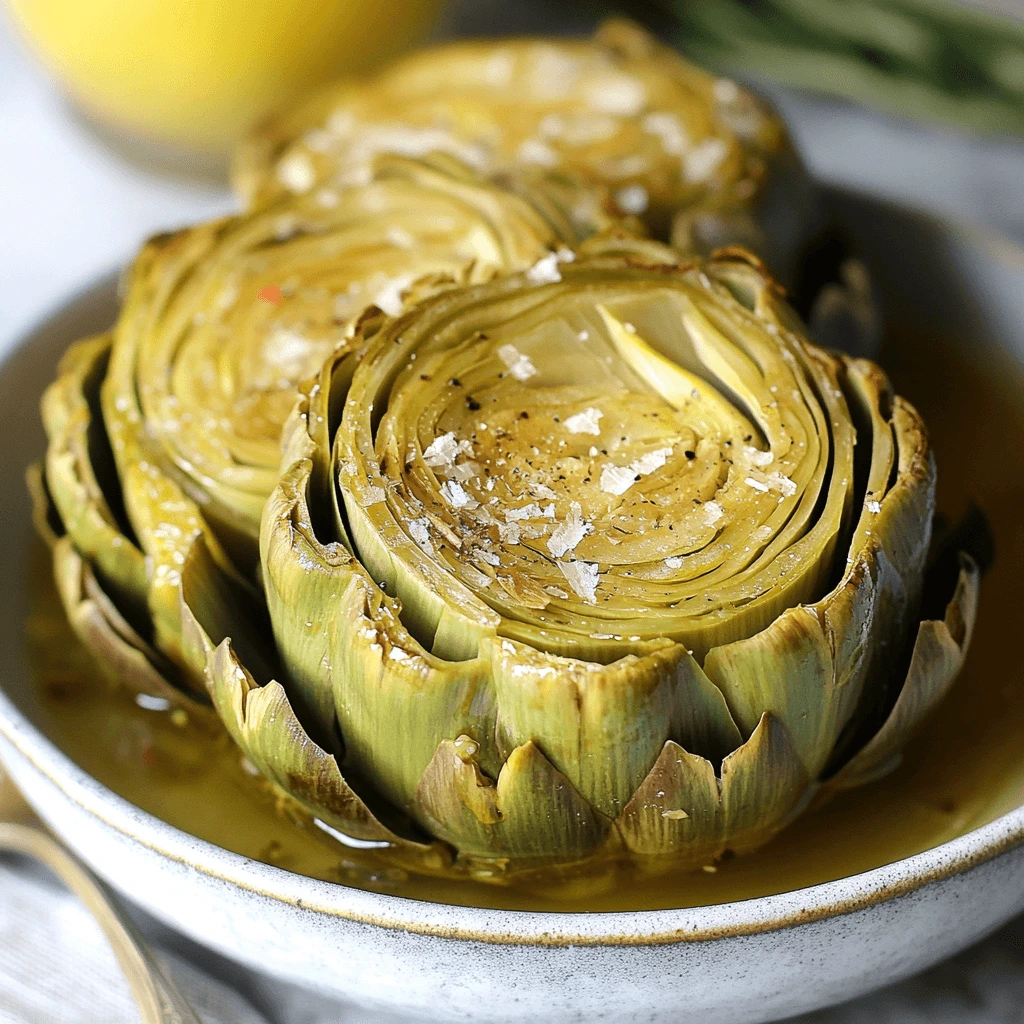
<point>158,998</point>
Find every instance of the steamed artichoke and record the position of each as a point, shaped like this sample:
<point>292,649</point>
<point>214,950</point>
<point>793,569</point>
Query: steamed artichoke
<point>669,141</point>
<point>165,436</point>
<point>603,558</point>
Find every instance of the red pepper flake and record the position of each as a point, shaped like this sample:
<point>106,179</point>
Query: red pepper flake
<point>272,294</point>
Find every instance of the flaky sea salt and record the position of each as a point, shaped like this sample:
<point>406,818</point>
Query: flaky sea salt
<point>519,365</point>
<point>585,422</point>
<point>531,511</point>
<point>648,463</point>
<point>419,530</point>
<point>456,495</point>
<point>756,457</point>
<point>582,577</point>
<point>782,483</point>
<point>389,298</point>
<point>536,151</point>
<point>399,238</point>
<point>618,94</point>
<point>701,162</point>
<point>442,450</point>
<point>619,479</point>
<point>632,199</point>
<point>567,535</point>
<point>545,270</point>
<point>509,533</point>
<point>712,512</point>
<point>296,172</point>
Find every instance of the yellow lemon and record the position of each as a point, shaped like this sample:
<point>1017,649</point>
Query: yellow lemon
<point>196,74</point>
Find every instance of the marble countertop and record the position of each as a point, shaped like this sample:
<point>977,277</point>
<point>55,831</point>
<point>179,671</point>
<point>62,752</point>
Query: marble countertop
<point>72,209</point>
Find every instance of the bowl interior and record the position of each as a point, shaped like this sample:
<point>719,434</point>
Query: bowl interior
<point>935,279</point>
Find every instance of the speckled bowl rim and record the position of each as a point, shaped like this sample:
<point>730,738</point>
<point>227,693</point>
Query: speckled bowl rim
<point>514,927</point>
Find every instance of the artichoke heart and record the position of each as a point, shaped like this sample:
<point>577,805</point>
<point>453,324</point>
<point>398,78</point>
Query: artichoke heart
<point>164,436</point>
<point>690,154</point>
<point>612,562</point>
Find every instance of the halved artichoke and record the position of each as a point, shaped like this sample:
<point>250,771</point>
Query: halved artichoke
<point>670,141</point>
<point>604,560</point>
<point>164,437</point>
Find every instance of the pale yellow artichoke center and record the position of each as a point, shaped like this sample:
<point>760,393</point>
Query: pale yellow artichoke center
<point>611,467</point>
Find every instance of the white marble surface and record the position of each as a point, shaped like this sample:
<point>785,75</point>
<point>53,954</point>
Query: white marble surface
<point>71,209</point>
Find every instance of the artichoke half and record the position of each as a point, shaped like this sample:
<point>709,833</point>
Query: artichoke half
<point>604,560</point>
<point>164,436</point>
<point>668,140</point>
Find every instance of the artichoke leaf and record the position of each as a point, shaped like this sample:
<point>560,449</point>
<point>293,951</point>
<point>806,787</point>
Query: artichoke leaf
<point>123,656</point>
<point>261,721</point>
<point>395,702</point>
<point>683,809</point>
<point>532,811</point>
<point>603,726</point>
<point>938,655</point>
<point>81,491</point>
<point>677,385</point>
<point>45,519</point>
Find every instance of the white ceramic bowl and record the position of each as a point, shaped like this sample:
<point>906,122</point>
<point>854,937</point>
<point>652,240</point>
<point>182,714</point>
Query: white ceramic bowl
<point>740,962</point>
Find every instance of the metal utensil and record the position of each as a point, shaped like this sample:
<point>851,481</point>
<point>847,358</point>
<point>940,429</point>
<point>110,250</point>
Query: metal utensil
<point>158,998</point>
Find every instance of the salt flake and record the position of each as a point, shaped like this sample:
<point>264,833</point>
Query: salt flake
<point>567,535</point>
<point>585,422</point>
<point>545,270</point>
<point>456,495</point>
<point>519,365</point>
<point>582,577</point>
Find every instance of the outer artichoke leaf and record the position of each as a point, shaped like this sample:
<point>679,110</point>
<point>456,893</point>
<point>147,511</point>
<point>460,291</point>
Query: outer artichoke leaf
<point>903,526</point>
<point>395,702</point>
<point>223,609</point>
<point>939,652</point>
<point>351,661</point>
<point>45,519</point>
<point>682,809</point>
<point>785,670</point>
<point>124,657</point>
<point>533,811</point>
<point>676,810</point>
<point>262,723</point>
<point>764,785</point>
<point>77,436</point>
<point>603,726</point>
<point>302,579</point>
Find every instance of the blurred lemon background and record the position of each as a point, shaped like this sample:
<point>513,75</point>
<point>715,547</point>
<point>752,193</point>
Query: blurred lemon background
<point>193,75</point>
